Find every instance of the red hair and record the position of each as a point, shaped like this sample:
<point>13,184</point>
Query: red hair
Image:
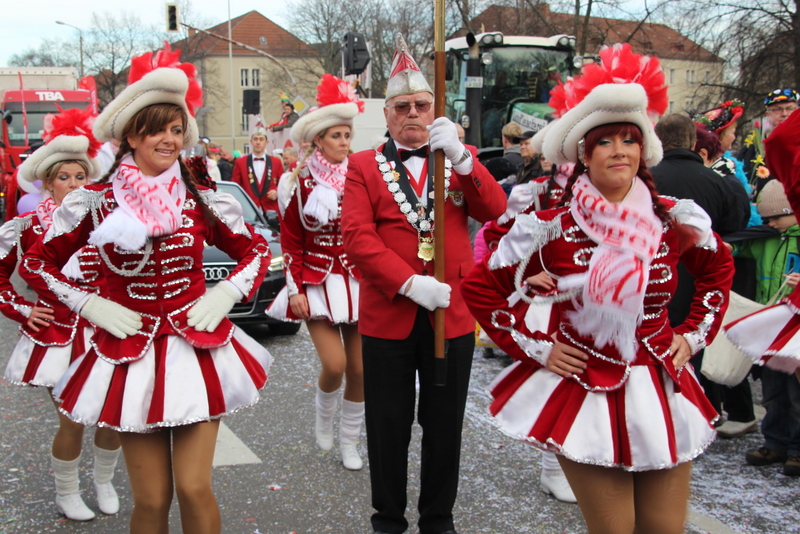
<point>593,137</point>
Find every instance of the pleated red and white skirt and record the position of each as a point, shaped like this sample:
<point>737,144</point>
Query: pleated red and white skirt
<point>770,337</point>
<point>336,300</point>
<point>644,425</point>
<point>33,364</point>
<point>173,384</point>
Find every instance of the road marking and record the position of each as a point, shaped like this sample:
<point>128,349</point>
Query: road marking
<point>230,450</point>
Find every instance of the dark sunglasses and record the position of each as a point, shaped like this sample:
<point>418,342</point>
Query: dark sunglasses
<point>404,107</point>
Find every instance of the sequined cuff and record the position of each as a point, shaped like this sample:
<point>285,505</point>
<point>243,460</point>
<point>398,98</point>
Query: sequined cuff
<point>536,349</point>
<point>696,341</point>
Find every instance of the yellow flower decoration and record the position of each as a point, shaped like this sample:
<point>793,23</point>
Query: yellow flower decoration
<point>750,139</point>
<point>759,160</point>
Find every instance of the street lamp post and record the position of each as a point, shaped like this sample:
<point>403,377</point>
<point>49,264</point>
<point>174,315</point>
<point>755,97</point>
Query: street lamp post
<point>80,37</point>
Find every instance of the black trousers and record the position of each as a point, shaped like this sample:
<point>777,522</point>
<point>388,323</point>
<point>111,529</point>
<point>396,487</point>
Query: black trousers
<point>390,369</point>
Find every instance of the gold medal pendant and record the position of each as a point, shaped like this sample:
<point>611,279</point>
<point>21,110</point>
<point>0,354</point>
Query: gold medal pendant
<point>425,249</point>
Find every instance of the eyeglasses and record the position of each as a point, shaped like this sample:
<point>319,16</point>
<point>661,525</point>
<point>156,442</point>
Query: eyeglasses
<point>782,110</point>
<point>403,108</point>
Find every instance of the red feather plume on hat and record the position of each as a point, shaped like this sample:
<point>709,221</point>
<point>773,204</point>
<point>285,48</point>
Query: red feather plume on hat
<point>166,58</point>
<point>72,122</point>
<point>619,64</point>
<point>333,90</point>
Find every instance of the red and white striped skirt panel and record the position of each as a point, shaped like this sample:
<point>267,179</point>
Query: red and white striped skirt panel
<point>336,300</point>
<point>32,364</point>
<point>642,426</point>
<point>770,337</point>
<point>173,384</point>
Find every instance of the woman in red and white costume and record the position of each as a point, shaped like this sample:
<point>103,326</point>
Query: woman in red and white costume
<point>607,387</point>
<point>771,336</point>
<point>321,284</point>
<point>165,364</point>
<point>53,336</point>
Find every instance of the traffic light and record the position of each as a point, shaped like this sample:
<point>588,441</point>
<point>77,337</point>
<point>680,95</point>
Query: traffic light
<point>355,53</point>
<point>172,18</point>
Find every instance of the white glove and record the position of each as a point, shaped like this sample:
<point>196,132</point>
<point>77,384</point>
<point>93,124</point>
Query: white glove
<point>115,318</point>
<point>444,136</point>
<point>212,308</point>
<point>428,292</point>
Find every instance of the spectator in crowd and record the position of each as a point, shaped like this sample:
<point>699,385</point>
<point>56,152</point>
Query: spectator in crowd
<point>289,158</point>
<point>225,164</point>
<point>511,147</point>
<point>461,133</point>
<point>778,106</point>
<point>531,168</point>
<point>681,174</point>
<point>288,116</point>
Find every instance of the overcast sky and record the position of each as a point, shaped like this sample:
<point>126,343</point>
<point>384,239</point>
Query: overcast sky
<point>24,26</point>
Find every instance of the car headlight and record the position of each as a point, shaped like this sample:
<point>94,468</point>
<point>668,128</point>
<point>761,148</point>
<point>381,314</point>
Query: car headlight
<point>276,264</point>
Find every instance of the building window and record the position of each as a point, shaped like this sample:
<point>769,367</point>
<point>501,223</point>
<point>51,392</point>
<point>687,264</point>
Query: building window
<point>255,77</point>
<point>689,77</point>
<point>243,125</point>
<point>708,77</point>
<point>672,106</point>
<point>244,76</point>
<point>671,76</point>
<point>687,105</point>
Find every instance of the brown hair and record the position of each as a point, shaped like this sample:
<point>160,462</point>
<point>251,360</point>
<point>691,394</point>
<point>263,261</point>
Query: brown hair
<point>607,130</point>
<point>676,131</point>
<point>150,121</point>
<point>52,171</point>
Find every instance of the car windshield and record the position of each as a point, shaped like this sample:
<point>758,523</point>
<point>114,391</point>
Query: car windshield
<point>250,213</point>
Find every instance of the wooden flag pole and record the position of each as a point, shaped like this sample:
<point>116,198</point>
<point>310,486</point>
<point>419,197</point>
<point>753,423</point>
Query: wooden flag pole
<point>439,102</point>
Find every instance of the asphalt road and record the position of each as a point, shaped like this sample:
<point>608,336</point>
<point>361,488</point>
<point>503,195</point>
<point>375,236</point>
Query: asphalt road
<point>272,479</point>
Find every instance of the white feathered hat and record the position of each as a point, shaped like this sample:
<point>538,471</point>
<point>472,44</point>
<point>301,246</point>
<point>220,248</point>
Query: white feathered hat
<point>157,78</point>
<point>68,137</point>
<point>405,78</point>
<point>338,105</point>
<point>623,87</point>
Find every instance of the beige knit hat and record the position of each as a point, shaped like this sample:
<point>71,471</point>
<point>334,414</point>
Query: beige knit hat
<point>772,201</point>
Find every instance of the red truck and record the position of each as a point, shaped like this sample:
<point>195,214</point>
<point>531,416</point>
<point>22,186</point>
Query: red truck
<point>27,94</point>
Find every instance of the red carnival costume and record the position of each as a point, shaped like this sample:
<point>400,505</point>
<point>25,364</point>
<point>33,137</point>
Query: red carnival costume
<point>771,336</point>
<point>257,187</point>
<point>41,358</point>
<point>316,263</point>
<point>163,353</point>
<point>615,267</point>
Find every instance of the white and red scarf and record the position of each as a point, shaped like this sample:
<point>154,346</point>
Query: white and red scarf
<point>149,206</point>
<point>44,212</point>
<point>323,201</point>
<point>628,235</point>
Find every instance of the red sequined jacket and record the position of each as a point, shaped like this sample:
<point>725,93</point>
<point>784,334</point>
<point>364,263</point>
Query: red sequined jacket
<point>162,280</point>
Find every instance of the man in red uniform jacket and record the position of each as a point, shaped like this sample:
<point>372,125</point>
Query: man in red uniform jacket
<point>386,226</point>
<point>258,173</point>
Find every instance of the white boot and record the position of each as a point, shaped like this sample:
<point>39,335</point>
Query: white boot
<point>105,461</point>
<point>553,481</point>
<point>326,408</point>
<point>68,497</point>
<point>349,430</point>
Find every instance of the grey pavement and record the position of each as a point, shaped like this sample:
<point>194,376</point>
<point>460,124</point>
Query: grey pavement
<point>272,479</point>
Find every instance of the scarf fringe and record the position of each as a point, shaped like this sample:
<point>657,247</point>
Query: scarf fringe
<point>119,228</point>
<point>527,236</point>
<point>322,204</point>
<point>689,214</point>
<point>607,328</point>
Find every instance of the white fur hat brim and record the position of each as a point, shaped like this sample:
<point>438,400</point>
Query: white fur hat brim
<point>314,122</point>
<point>62,148</point>
<point>605,104</point>
<point>538,137</point>
<point>160,86</point>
